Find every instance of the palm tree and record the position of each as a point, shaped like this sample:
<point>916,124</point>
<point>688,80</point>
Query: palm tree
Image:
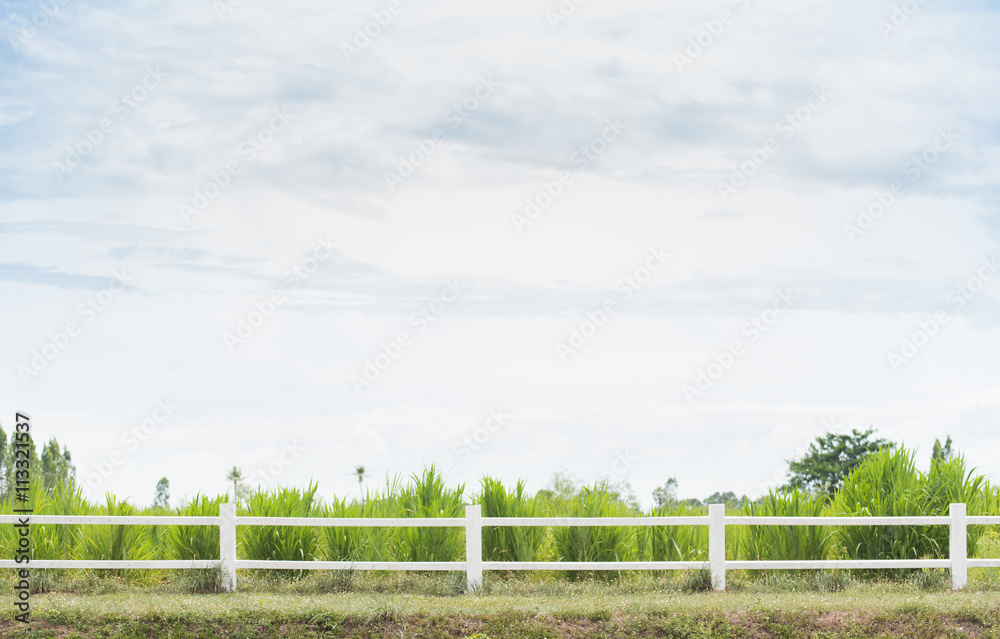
<point>235,475</point>
<point>360,472</point>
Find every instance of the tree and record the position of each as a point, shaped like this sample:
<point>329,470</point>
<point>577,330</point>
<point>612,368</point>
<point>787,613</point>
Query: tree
<point>162,499</point>
<point>831,458</point>
<point>665,494</point>
<point>942,453</point>
<point>728,498</point>
<point>235,475</point>
<point>57,467</point>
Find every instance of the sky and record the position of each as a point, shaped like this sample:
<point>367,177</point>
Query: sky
<point>627,241</point>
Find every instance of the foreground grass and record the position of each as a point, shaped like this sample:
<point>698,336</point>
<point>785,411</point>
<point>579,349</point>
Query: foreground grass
<point>537,609</point>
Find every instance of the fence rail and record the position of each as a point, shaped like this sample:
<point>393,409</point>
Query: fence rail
<point>957,520</point>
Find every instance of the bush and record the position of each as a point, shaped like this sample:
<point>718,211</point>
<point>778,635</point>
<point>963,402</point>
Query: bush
<point>697,581</point>
<point>201,580</point>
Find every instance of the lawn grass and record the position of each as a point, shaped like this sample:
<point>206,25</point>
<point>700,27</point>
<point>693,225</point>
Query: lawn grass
<point>421,606</point>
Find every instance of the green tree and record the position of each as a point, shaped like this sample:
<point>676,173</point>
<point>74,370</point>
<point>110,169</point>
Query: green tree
<point>728,498</point>
<point>942,453</point>
<point>57,467</point>
<point>162,499</point>
<point>831,458</point>
<point>665,494</point>
<point>8,463</point>
<point>359,472</point>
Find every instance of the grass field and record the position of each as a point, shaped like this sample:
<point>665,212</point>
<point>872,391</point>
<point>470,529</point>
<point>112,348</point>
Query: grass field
<point>418,606</point>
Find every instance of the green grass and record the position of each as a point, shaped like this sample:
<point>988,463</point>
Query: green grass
<point>279,543</point>
<point>598,543</point>
<point>400,607</point>
<point>887,483</point>
<point>508,543</point>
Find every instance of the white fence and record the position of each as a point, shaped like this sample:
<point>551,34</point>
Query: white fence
<point>473,523</point>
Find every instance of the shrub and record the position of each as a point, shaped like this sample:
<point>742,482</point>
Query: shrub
<point>697,581</point>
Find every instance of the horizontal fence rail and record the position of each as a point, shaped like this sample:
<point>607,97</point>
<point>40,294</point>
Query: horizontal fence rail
<point>957,520</point>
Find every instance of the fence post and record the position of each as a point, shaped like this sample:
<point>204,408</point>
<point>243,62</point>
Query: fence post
<point>958,549</point>
<point>474,547</point>
<point>717,544</point>
<point>227,545</point>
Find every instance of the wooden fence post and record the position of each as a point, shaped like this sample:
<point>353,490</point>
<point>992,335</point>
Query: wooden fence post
<point>474,547</point>
<point>958,549</point>
<point>717,544</point>
<point>227,545</point>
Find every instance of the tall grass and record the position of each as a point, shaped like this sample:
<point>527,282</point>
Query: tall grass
<point>48,541</point>
<point>508,543</point>
<point>196,542</point>
<point>368,543</point>
<point>888,484</point>
<point>597,543</point>
<point>104,542</point>
<point>783,542</point>
<point>427,496</point>
<point>280,543</point>
<point>674,543</point>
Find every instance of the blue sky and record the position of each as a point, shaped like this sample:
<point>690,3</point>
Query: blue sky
<point>618,239</point>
